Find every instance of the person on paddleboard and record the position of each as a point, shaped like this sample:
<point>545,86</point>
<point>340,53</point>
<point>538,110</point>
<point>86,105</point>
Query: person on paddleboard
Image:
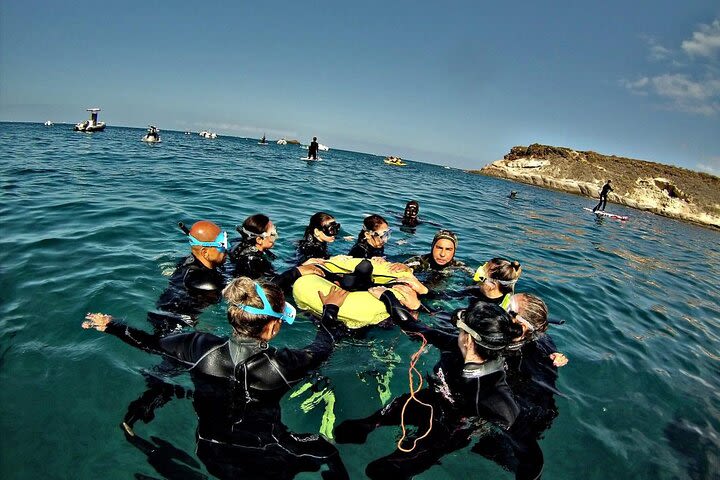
<point>313,149</point>
<point>603,197</point>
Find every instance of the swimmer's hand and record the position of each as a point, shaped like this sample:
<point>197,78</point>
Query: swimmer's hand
<point>558,359</point>
<point>314,261</point>
<point>414,283</point>
<point>399,267</point>
<point>98,321</point>
<point>377,291</point>
<point>310,270</point>
<point>336,296</point>
<point>407,297</point>
<point>378,260</point>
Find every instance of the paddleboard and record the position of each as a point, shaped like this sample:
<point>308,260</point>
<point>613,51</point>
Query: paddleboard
<point>311,159</point>
<point>261,143</point>
<point>606,214</point>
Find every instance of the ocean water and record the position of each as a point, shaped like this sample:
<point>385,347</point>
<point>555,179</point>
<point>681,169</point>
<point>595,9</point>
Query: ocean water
<point>89,224</point>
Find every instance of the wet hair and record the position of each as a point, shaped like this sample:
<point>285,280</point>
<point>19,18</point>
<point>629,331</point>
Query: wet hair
<point>314,139</point>
<point>316,221</point>
<point>370,224</point>
<point>255,224</point>
<point>505,270</point>
<point>533,309</point>
<point>241,292</point>
<point>495,327</point>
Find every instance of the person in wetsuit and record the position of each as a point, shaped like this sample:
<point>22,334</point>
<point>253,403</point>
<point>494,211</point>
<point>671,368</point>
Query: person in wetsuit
<point>313,149</point>
<point>250,254</point>
<point>239,381</point>
<point>495,282</point>
<point>196,282</point>
<point>441,257</point>
<point>467,390</point>
<point>603,197</point>
<point>372,238</point>
<point>321,231</point>
<point>410,216</point>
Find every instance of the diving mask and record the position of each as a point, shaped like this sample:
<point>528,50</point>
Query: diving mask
<point>287,315</point>
<point>272,233</point>
<point>220,242</point>
<point>330,229</point>
<point>481,276</point>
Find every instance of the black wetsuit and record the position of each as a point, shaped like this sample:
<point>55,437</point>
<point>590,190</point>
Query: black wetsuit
<point>362,249</point>
<point>248,261</point>
<point>239,382</point>
<point>603,198</point>
<point>464,397</point>
<point>313,150</point>
<point>192,288</point>
<point>310,247</point>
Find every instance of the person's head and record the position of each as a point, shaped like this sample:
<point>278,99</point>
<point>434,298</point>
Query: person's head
<point>314,139</point>
<point>208,243</point>
<point>530,312</point>
<point>323,226</point>
<point>443,247</point>
<point>375,231</point>
<point>259,231</point>
<point>485,330</point>
<point>608,182</point>
<point>256,310</point>
<point>412,209</point>
<point>498,274</point>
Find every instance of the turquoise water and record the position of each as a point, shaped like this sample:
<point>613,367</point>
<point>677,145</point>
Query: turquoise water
<point>89,224</point>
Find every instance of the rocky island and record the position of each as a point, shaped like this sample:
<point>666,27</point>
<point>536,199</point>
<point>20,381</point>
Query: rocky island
<point>662,189</point>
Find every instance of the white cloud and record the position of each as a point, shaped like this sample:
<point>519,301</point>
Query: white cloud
<point>713,169</point>
<point>657,51</point>
<point>704,43</point>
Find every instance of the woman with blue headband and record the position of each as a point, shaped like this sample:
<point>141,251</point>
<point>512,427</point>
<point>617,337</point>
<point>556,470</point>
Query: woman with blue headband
<point>239,381</point>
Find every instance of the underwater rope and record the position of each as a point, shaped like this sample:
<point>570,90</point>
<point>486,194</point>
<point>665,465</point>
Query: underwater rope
<point>413,360</point>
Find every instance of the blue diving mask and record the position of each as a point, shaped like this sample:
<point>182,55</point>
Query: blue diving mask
<point>220,242</point>
<point>287,315</point>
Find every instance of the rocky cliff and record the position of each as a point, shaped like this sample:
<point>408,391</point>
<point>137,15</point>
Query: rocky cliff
<point>662,189</point>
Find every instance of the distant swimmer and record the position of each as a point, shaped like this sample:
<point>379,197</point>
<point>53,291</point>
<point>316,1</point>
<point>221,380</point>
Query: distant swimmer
<point>410,216</point>
<point>603,197</point>
<point>313,149</point>
<point>513,194</point>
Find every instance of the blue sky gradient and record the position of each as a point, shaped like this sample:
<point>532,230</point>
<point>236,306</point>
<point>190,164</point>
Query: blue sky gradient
<point>457,83</point>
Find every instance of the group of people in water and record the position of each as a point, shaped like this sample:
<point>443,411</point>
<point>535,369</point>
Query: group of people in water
<point>494,382</point>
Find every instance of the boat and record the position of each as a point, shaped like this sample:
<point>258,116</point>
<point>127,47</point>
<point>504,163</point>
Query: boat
<point>395,161</point>
<point>282,141</point>
<point>91,125</point>
<point>263,141</point>
<point>49,123</point>
<point>206,134</point>
<point>323,148</point>
<point>152,135</point>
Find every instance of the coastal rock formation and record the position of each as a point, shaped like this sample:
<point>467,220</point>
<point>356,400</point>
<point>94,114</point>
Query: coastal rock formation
<point>662,189</point>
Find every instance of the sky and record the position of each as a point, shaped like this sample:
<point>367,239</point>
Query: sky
<point>453,83</point>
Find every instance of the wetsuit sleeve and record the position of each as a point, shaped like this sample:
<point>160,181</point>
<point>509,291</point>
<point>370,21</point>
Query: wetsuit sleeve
<point>179,347</point>
<point>287,278</point>
<point>295,364</point>
<point>399,314</point>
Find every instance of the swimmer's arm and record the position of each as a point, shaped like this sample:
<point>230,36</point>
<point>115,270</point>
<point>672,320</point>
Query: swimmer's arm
<point>400,315</point>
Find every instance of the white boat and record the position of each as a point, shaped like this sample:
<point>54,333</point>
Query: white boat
<point>152,135</point>
<point>206,134</point>
<point>49,123</point>
<point>282,141</point>
<point>91,125</point>
<point>322,147</point>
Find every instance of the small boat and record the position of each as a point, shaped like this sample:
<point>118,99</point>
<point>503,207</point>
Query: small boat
<point>152,135</point>
<point>395,161</point>
<point>91,125</point>
<point>282,141</point>
<point>323,148</point>
<point>263,141</point>
<point>49,123</point>
<point>206,134</point>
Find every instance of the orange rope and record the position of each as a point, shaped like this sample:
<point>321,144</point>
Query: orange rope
<point>413,360</point>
